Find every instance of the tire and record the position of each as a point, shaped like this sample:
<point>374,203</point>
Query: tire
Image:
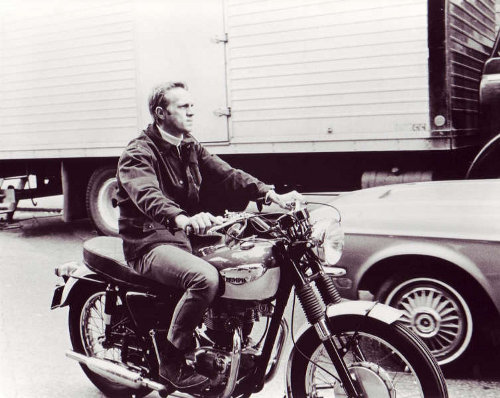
<point>394,360</point>
<point>101,190</point>
<point>85,325</point>
<point>436,311</point>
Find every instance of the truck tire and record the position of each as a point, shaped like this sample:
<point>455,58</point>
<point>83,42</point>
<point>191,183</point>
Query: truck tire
<point>485,164</point>
<point>101,190</point>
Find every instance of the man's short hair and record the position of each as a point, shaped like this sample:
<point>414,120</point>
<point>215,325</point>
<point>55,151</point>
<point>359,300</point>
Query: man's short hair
<point>158,95</point>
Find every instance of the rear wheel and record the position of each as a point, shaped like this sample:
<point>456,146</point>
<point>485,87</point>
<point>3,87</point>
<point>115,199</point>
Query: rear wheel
<point>384,361</point>
<point>101,190</point>
<point>436,311</point>
<point>86,325</point>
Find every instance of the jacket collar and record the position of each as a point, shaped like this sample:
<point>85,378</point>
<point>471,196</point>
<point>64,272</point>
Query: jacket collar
<point>174,140</point>
<point>154,134</point>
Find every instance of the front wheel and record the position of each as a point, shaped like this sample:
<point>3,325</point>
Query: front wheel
<point>385,360</point>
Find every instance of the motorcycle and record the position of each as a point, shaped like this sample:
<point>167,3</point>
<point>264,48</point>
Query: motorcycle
<point>118,319</point>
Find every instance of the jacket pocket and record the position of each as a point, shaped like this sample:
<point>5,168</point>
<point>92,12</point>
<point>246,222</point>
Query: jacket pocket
<point>152,226</point>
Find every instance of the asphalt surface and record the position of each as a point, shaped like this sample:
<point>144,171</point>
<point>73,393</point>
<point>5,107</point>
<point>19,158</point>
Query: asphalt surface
<point>33,339</point>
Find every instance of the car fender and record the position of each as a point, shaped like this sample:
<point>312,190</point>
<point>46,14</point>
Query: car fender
<point>428,249</point>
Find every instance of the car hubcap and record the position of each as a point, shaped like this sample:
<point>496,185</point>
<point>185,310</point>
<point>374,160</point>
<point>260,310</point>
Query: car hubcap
<point>437,313</point>
<point>425,321</point>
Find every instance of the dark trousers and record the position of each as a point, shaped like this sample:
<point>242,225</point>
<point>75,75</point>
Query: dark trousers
<point>180,269</point>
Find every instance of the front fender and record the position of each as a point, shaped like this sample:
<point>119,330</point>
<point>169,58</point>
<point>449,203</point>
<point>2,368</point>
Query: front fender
<point>371,309</point>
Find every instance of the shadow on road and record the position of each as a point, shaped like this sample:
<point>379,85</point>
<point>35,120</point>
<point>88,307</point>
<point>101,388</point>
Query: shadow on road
<point>49,226</point>
<point>482,364</point>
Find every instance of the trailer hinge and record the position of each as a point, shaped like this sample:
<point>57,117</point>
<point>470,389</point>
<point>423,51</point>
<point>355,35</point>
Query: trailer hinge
<point>220,39</point>
<point>223,112</point>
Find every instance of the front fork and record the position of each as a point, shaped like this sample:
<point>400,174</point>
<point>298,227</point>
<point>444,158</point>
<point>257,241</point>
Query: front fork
<point>316,317</point>
<point>312,307</point>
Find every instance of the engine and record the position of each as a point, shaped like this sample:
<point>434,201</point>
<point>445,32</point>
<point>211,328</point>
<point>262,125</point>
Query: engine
<point>226,351</point>
<point>227,315</point>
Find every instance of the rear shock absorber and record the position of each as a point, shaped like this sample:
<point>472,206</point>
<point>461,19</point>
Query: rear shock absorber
<point>109,309</point>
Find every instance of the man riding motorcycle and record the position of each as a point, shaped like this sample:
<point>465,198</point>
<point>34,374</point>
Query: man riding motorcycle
<point>163,179</point>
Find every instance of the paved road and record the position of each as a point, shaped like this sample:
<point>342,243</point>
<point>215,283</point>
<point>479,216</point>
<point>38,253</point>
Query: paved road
<point>33,339</point>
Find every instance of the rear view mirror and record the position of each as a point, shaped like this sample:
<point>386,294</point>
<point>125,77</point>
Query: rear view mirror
<point>492,66</point>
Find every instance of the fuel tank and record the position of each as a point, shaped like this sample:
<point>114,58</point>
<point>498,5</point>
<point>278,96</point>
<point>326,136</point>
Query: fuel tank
<point>248,268</point>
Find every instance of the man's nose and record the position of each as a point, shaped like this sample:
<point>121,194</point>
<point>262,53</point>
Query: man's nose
<point>190,111</point>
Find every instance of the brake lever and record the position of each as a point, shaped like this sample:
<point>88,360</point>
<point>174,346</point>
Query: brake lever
<point>297,205</point>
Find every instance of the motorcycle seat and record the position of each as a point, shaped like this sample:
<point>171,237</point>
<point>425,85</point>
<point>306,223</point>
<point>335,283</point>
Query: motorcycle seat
<point>104,255</point>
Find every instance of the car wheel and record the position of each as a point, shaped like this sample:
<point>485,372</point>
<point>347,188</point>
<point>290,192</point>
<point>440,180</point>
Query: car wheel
<point>435,311</point>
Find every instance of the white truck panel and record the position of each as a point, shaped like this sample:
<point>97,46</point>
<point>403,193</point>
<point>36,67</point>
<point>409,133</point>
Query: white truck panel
<point>75,76</point>
<point>306,70</point>
<point>299,75</point>
<point>67,79</point>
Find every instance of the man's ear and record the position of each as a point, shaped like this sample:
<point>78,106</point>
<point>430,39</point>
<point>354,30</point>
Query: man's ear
<point>160,112</point>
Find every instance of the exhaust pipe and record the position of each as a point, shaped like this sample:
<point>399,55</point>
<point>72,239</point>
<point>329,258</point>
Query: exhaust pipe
<point>116,373</point>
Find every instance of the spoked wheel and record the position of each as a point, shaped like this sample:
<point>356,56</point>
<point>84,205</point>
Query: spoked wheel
<point>86,323</point>
<point>436,312</point>
<point>384,361</point>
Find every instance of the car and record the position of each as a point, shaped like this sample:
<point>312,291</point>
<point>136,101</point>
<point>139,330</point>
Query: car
<point>430,249</point>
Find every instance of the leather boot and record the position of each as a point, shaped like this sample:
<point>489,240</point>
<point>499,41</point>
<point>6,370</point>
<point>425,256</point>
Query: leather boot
<point>175,370</point>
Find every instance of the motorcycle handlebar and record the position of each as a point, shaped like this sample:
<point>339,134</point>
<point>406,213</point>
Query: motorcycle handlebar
<point>292,206</point>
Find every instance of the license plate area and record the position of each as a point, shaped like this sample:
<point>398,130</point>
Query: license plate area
<point>56,299</point>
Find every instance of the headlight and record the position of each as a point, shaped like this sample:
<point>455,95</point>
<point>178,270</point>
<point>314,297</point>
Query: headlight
<point>328,239</point>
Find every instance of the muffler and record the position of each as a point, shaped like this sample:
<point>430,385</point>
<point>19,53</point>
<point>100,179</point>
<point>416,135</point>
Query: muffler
<point>116,373</point>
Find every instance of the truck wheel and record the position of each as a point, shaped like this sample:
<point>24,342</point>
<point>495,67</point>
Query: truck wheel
<point>100,192</point>
<point>485,164</point>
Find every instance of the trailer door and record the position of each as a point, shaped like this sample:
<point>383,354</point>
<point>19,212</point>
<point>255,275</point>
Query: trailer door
<point>184,40</point>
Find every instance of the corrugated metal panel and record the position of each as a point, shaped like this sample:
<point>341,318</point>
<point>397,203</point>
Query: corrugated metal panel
<point>68,77</point>
<point>327,70</point>
<point>471,37</point>
<point>497,13</point>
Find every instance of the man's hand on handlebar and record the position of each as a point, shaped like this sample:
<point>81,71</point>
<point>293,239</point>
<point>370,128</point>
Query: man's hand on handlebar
<point>287,200</point>
<point>199,223</point>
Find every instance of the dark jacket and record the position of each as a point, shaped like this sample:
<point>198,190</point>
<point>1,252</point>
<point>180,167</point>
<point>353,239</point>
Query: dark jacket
<point>156,183</point>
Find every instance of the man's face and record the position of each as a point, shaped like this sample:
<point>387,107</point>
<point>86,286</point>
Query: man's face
<point>178,116</point>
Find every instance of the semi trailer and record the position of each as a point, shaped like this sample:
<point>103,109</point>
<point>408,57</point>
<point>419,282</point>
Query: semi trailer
<point>318,95</point>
